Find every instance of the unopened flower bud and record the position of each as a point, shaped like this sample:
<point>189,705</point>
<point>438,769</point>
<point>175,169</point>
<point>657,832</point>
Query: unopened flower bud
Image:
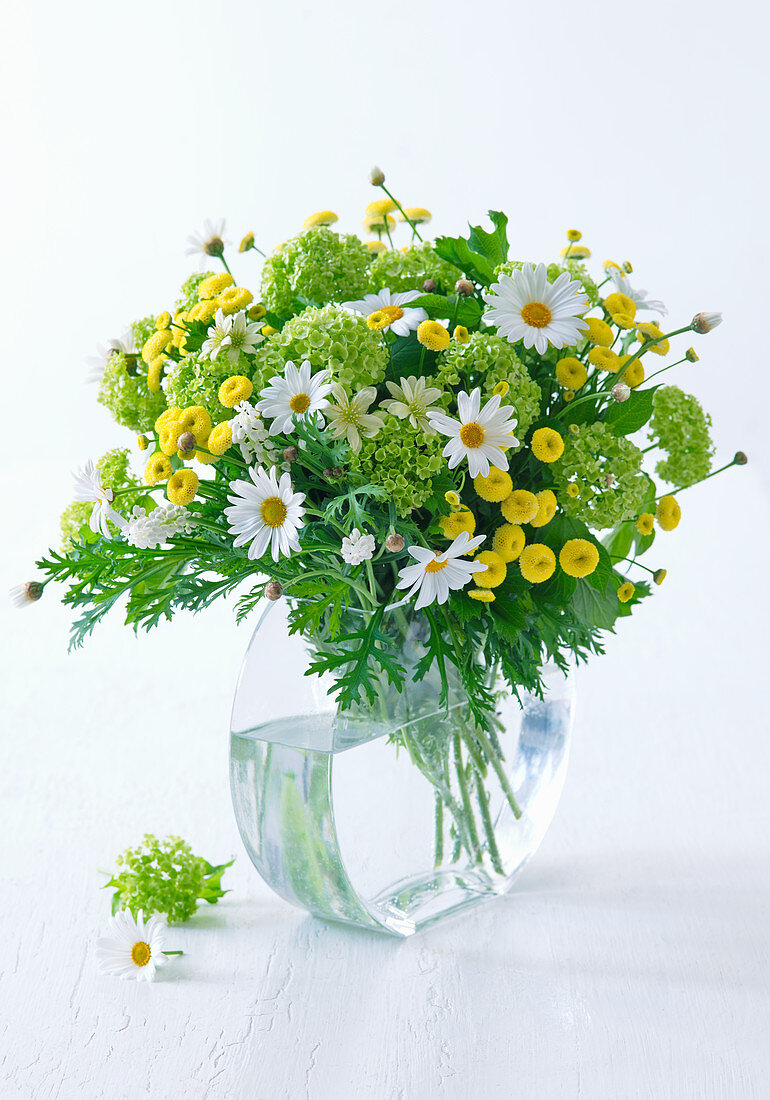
<point>247,243</point>
<point>691,355</point>
<point>627,267</point>
<point>741,458</point>
<point>464,287</point>
<point>376,177</point>
<point>337,471</point>
<point>27,593</point>
<point>569,395</point>
<point>704,322</point>
<point>291,454</point>
<point>574,428</point>
<point>394,543</point>
<point>142,442</point>
<point>621,391</point>
<point>186,442</point>
<point>430,286</point>
<point>659,575</point>
<point>273,590</point>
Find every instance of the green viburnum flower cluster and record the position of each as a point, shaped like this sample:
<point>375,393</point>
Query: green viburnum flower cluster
<point>680,427</point>
<point>188,292</point>
<point>115,473</point>
<point>484,361</point>
<point>334,339</point>
<point>605,467</point>
<point>195,380</point>
<point>142,330</point>
<point>318,266</point>
<point>125,393</point>
<point>408,268</point>
<point>575,270</point>
<point>164,876</point>
<point>403,460</point>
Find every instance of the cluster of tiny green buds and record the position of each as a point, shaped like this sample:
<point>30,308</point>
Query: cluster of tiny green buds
<point>394,542</point>
<point>691,355</point>
<point>376,177</point>
<point>273,590</point>
<point>705,322</point>
<point>621,391</point>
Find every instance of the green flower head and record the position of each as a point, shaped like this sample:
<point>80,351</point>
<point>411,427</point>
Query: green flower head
<point>484,361</point>
<point>606,470</point>
<point>188,294</point>
<point>115,474</point>
<point>316,267</point>
<point>142,330</point>
<point>680,427</point>
<point>403,460</point>
<point>408,268</point>
<point>195,380</point>
<point>124,391</point>
<point>330,338</point>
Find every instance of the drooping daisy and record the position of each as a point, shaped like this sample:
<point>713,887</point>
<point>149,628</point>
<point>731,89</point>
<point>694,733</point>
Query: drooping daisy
<point>22,595</point>
<point>436,575</point>
<point>134,946</point>
<point>88,487</point>
<point>386,311</point>
<point>412,398</point>
<point>349,416</point>
<point>265,512</point>
<point>231,335</point>
<point>525,306</point>
<point>210,242</point>
<point>97,363</point>
<point>357,547</point>
<point>249,432</point>
<point>638,297</point>
<point>297,394</point>
<point>479,435</point>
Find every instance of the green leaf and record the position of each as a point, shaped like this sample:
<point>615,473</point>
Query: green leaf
<point>455,250</point>
<point>626,417</point>
<point>492,246</point>
<point>467,312</point>
<point>594,608</point>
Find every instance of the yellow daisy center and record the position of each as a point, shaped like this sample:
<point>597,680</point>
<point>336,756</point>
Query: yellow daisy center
<point>472,434</point>
<point>273,511</point>
<point>435,566</point>
<point>536,314</point>
<point>140,953</point>
<point>299,403</point>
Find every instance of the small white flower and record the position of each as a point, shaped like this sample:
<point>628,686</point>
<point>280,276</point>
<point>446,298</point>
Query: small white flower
<point>357,547</point>
<point>436,575</point>
<point>525,306</point>
<point>265,512</point>
<point>349,416</point>
<point>210,242</point>
<point>88,487</point>
<point>479,435</point>
<point>231,335</point>
<point>705,322</point>
<point>412,398</point>
<point>297,394</point>
<point>250,433</point>
<point>148,532</point>
<point>97,363</point>
<point>638,297</point>
<point>401,321</point>
<point>134,947</point>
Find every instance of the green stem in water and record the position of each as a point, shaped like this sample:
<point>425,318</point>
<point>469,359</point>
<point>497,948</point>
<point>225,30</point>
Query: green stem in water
<point>470,823</point>
<point>438,844</point>
<point>497,764</point>
<point>483,800</point>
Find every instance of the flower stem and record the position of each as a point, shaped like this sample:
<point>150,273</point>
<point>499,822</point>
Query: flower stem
<point>400,207</point>
<point>496,763</point>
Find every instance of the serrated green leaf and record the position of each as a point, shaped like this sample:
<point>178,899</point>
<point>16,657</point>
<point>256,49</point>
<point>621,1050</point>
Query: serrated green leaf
<point>626,417</point>
<point>492,246</point>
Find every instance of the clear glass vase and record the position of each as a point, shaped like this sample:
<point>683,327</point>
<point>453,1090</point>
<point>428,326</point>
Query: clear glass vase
<point>393,813</point>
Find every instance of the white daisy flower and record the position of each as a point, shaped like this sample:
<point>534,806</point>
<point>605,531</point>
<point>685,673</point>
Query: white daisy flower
<point>349,416</point>
<point>231,335</point>
<point>88,487</point>
<point>250,433</point>
<point>638,297</point>
<point>479,435</point>
<point>134,947</point>
<point>525,306</point>
<point>265,512</point>
<point>298,393</point>
<point>412,399</point>
<point>210,242</point>
<point>436,575</point>
<point>357,547</point>
<point>391,308</point>
<point>97,363</point>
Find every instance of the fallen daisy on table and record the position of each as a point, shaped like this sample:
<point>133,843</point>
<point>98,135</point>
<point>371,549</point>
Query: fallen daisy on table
<point>133,947</point>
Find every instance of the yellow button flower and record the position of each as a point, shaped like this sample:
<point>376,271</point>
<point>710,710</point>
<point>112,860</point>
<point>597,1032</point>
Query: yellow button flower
<point>155,373</point>
<point>378,222</point>
<point>626,591</point>
<point>234,299</point>
<point>376,246</point>
<point>158,468</point>
<point>377,208</point>
<point>547,445</point>
<point>546,508</point>
<point>247,243</point>
<point>257,312</point>
<point>417,215</point>
<point>213,285</point>
<point>195,419</point>
<point>578,557</point>
<point>495,571</point>
<point>163,321</point>
<point>599,332</point>
<point>457,522</point>
<point>182,486</point>
<point>508,541</point>
<point>495,487</point>
<point>574,235</point>
<point>204,311</point>
<point>575,252</point>
<point>605,359</point>
<point>142,442</point>
<point>323,217</point>
<point>571,373</point>
<point>520,507</point>
<point>235,389</point>
<point>645,523</point>
<point>650,331</point>
<point>156,345</point>
<point>668,513</point>
<point>573,490</point>
<point>621,308</point>
<point>221,438</point>
<point>461,335</point>
<point>660,575</point>
<point>433,335</point>
<point>483,595</point>
<point>633,374</point>
<point>537,563</point>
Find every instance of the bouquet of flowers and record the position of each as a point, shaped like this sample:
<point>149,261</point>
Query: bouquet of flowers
<point>425,440</point>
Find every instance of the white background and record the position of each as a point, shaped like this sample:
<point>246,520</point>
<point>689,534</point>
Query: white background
<point>632,960</point>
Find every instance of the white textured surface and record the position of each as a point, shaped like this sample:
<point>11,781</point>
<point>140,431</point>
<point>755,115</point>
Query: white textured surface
<point>632,961</point>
